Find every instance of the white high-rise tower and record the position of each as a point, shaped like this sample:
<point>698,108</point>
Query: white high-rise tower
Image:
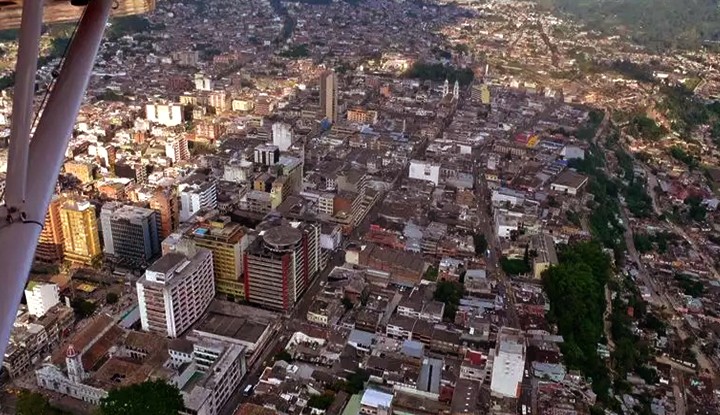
<point>73,361</point>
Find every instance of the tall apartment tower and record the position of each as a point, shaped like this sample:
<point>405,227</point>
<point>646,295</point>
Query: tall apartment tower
<point>329,96</point>
<point>197,192</point>
<point>81,242</point>
<point>50,243</point>
<point>227,241</point>
<point>175,291</point>
<point>280,264</point>
<point>130,233</point>
<point>166,203</point>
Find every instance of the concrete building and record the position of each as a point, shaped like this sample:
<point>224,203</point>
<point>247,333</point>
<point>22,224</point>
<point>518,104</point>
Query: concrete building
<point>81,242</point>
<point>281,263</point>
<point>41,297</point>
<point>207,372</point>
<point>50,243</point>
<point>267,154</point>
<point>569,182</point>
<point>509,364</point>
<point>83,171</point>
<point>169,115</point>
<point>165,202</point>
<point>203,83</point>
<point>175,291</point>
<point>374,402</point>
<point>238,171</point>
<point>227,241</point>
<point>282,135</point>
<point>176,149</point>
<point>198,192</point>
<point>72,384</point>
<point>130,233</point>
<point>329,96</point>
<point>425,170</point>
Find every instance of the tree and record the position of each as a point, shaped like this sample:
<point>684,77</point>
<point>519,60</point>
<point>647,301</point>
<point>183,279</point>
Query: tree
<point>31,403</point>
<point>111,298</point>
<point>150,397</point>
<point>284,356</point>
<point>481,243</point>
<point>356,381</point>
<point>347,303</point>
<point>450,293</point>
<point>321,401</point>
<point>83,308</point>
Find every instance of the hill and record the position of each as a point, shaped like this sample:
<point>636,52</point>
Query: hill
<point>657,24</point>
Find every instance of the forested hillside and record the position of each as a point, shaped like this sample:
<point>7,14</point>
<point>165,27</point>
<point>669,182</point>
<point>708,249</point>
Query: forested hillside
<point>658,24</point>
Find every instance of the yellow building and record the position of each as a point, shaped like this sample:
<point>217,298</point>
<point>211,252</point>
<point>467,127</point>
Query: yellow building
<point>80,232</point>
<point>83,171</point>
<point>227,242</point>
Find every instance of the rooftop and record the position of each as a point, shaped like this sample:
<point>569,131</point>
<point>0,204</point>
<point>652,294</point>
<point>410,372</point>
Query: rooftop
<point>376,399</point>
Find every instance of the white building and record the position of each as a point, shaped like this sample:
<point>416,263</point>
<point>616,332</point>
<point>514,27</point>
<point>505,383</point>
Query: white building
<point>41,297</point>
<point>203,83</point>
<point>169,115</point>
<point>509,364</point>
<point>196,196</point>
<point>374,402</point>
<point>425,170</point>
<point>176,149</point>
<point>570,152</point>
<point>175,291</point>
<point>267,154</point>
<point>238,171</point>
<point>221,367</point>
<point>282,135</point>
<point>50,377</point>
<point>507,222</point>
<point>505,195</point>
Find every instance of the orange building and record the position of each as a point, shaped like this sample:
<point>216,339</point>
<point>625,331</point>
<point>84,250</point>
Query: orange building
<point>50,244</point>
<point>165,201</point>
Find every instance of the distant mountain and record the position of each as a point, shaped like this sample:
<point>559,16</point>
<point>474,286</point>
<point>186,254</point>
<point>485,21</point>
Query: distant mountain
<point>658,24</point>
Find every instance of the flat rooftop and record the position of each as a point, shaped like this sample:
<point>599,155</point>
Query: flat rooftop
<point>233,327</point>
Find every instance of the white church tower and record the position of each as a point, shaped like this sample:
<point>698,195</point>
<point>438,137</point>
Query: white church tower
<point>446,88</point>
<point>456,90</point>
<point>75,370</point>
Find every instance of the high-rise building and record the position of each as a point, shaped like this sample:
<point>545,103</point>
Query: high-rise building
<point>281,263</point>
<point>130,233</point>
<point>50,244</point>
<point>166,203</point>
<point>282,135</point>
<point>169,115</point>
<point>227,241</point>
<point>81,241</point>
<point>267,154</point>
<point>329,96</point>
<point>176,149</point>
<point>197,192</point>
<point>41,297</point>
<point>175,291</point>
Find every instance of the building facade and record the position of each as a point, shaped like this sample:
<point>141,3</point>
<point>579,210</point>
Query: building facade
<point>130,233</point>
<point>227,242</point>
<point>175,291</point>
<point>81,243</point>
<point>329,96</point>
<point>50,243</point>
<point>41,297</point>
<point>280,264</point>
<point>165,202</point>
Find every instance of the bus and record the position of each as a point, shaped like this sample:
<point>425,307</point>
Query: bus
<point>248,390</point>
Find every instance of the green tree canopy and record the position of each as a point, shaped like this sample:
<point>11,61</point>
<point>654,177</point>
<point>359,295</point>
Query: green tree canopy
<point>31,403</point>
<point>150,397</point>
